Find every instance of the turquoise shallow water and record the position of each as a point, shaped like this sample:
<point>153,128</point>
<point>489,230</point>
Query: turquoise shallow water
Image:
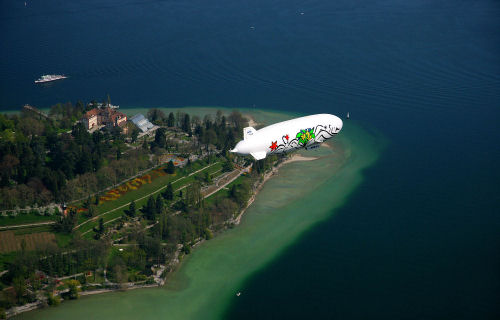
<point>301,195</point>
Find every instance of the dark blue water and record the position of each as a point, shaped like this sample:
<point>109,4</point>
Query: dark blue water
<point>421,237</point>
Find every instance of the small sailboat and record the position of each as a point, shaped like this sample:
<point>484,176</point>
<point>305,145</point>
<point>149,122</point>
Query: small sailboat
<point>347,115</point>
<point>238,294</point>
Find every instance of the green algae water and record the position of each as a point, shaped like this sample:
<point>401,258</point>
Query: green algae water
<point>301,195</point>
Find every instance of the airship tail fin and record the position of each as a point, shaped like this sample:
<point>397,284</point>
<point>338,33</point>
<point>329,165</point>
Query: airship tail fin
<point>259,155</point>
<point>248,132</point>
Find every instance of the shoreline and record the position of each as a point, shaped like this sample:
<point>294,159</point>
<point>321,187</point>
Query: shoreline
<point>267,176</point>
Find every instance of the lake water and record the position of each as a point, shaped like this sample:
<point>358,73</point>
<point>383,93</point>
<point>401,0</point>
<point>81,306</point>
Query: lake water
<point>419,237</point>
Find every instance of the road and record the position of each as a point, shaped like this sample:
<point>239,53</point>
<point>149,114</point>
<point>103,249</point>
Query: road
<point>27,225</point>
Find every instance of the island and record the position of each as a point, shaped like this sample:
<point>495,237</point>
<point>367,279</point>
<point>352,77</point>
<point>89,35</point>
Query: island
<point>92,201</point>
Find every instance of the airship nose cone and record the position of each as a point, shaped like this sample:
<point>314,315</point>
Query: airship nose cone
<point>234,150</point>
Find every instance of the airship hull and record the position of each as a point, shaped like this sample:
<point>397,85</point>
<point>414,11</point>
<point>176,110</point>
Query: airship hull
<point>305,132</point>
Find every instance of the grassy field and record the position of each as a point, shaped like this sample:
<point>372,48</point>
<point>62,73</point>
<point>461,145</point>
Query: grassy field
<point>24,218</point>
<point>10,242</point>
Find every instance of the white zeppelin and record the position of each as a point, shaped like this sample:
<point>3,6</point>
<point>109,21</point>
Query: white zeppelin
<point>305,132</point>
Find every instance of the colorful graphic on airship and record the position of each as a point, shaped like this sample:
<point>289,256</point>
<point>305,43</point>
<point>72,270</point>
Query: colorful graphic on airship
<point>305,132</point>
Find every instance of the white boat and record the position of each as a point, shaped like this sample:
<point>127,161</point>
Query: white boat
<point>238,294</point>
<point>347,115</point>
<point>50,77</point>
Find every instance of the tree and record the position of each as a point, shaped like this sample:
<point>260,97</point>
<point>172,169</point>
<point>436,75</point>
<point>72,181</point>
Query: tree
<point>156,115</point>
<point>240,193</point>
<point>120,273</point>
<point>237,120</point>
<point>218,116</point>
<point>99,231</point>
<point>171,119</point>
<point>169,192</point>
<point>170,167</point>
<point>101,225</point>
<point>159,205</point>
<point>86,203</point>
<point>186,123</point>
<point>20,287</point>
<point>145,145</point>
<point>207,177</point>
<point>149,209</point>
<point>163,226</point>
<point>91,211</point>
<point>84,164</point>
<point>80,134</point>
<point>193,194</point>
<point>227,166</point>
<point>160,138</point>
<point>131,209</point>
<point>226,207</point>
<point>116,132</point>
<point>134,134</point>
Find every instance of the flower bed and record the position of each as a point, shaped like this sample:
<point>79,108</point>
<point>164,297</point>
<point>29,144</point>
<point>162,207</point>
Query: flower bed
<point>131,185</point>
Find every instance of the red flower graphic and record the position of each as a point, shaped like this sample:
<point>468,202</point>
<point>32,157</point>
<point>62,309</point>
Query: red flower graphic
<point>286,137</point>
<point>274,145</point>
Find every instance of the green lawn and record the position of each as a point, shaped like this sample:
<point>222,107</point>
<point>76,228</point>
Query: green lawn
<point>29,230</point>
<point>25,219</point>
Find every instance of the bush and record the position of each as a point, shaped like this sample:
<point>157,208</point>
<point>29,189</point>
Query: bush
<point>53,300</point>
<point>208,234</point>
<point>73,289</point>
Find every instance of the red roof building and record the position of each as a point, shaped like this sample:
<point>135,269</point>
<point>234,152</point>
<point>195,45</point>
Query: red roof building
<point>103,116</point>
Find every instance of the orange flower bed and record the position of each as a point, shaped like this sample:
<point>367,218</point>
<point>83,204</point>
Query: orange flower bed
<point>78,210</point>
<point>131,185</point>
